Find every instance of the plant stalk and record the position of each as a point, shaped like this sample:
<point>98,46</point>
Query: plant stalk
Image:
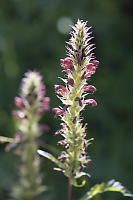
<point>69,191</point>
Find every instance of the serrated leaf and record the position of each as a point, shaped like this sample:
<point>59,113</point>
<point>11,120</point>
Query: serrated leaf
<point>7,139</point>
<point>117,187</point>
<point>112,185</point>
<point>50,157</point>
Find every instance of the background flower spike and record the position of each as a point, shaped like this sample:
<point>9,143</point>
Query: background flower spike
<point>32,105</point>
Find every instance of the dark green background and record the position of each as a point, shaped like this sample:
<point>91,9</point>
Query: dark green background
<point>30,38</point>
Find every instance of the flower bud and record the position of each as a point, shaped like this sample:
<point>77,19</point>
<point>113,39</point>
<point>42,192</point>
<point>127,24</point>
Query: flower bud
<point>79,100</point>
<point>58,132</point>
<point>65,107</point>
<point>71,82</point>
<point>32,88</point>
<point>62,142</point>
<point>74,120</point>
<point>83,76</point>
<point>62,157</point>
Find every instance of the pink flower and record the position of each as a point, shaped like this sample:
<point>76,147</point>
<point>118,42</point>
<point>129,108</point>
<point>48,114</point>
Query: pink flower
<point>61,90</point>
<point>90,101</point>
<point>90,70</point>
<point>19,102</point>
<point>46,100</point>
<point>58,112</point>
<point>67,65</point>
<point>95,63</point>
<point>44,109</point>
<point>90,88</point>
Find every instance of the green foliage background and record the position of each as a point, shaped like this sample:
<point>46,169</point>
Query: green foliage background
<point>31,37</point>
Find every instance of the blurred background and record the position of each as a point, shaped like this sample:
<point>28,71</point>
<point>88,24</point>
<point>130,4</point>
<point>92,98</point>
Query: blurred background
<point>32,36</point>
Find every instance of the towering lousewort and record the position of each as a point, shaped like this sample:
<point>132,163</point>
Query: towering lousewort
<point>33,105</point>
<point>79,66</point>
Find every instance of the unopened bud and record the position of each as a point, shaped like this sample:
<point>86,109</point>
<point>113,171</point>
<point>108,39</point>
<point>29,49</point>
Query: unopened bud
<point>71,82</point>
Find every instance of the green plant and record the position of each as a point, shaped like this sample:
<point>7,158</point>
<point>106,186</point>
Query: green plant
<point>79,66</point>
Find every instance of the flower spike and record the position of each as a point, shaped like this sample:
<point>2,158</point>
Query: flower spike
<point>32,105</point>
<point>79,66</point>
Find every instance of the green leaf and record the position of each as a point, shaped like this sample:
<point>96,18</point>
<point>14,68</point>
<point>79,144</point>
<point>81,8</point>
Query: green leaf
<point>7,139</point>
<point>50,157</point>
<point>74,182</point>
<point>80,174</point>
<point>112,185</point>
